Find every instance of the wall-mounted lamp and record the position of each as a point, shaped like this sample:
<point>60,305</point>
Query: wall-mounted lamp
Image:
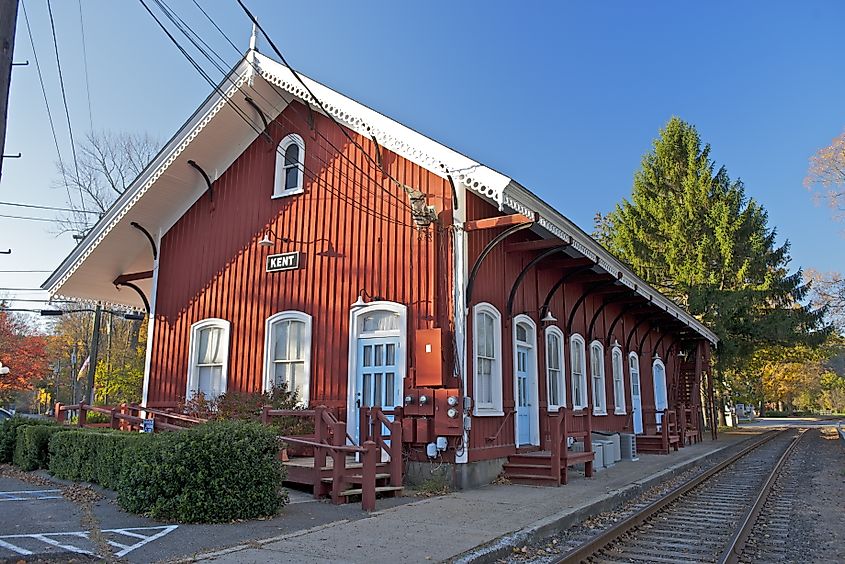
<point>266,241</point>
<point>360,302</point>
<point>615,344</point>
<point>548,318</point>
<point>656,356</point>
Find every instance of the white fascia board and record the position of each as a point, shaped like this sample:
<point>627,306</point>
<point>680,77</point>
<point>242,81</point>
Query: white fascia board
<point>524,201</point>
<point>389,133</point>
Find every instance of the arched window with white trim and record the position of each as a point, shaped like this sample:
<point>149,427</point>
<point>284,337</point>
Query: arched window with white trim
<point>597,374</point>
<point>287,353</point>
<point>290,167</point>
<point>487,360</point>
<point>578,371</point>
<point>617,365</point>
<point>209,358</point>
<point>555,376</point>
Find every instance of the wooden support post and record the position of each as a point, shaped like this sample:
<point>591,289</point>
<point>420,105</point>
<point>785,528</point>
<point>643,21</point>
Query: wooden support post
<point>588,443</point>
<point>368,486</point>
<point>557,449</point>
<point>265,415</point>
<point>114,420</point>
<point>396,448</point>
<point>58,413</point>
<point>338,461</point>
<point>320,437</point>
<point>664,430</point>
<point>83,416</point>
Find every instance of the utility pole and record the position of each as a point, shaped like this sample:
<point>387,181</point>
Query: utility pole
<point>8,21</point>
<point>92,357</point>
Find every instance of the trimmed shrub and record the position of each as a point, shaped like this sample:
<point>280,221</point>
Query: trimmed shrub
<point>32,445</point>
<point>92,456</point>
<point>9,434</point>
<point>220,471</point>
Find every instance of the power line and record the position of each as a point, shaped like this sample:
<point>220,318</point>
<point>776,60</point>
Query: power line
<point>46,100</point>
<point>22,290</point>
<point>45,301</point>
<point>167,11</point>
<point>85,66</point>
<point>64,94</point>
<point>28,218</point>
<point>24,271</point>
<point>53,208</point>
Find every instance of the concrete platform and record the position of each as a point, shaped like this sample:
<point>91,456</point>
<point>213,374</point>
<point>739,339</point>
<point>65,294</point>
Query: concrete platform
<point>473,525</point>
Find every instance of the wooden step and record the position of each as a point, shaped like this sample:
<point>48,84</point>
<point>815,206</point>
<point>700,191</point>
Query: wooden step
<point>527,469</point>
<point>379,489</point>
<point>532,479</point>
<point>357,478</point>
<point>540,458</point>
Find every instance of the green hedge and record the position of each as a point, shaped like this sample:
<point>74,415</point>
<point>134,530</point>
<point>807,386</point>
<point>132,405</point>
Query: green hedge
<point>95,456</point>
<point>31,447</point>
<point>216,472</point>
<point>9,434</point>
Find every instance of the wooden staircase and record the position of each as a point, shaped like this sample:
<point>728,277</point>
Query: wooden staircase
<point>550,467</point>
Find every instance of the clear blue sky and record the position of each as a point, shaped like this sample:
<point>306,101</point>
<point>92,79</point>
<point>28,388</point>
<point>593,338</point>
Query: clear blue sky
<point>564,97</point>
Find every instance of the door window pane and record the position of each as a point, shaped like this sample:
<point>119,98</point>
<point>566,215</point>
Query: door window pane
<point>389,390</point>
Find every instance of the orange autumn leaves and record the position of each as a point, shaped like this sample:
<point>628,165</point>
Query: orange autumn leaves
<point>24,352</point>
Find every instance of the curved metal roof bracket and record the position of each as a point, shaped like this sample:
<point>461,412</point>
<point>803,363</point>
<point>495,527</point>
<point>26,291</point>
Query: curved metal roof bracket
<point>557,286</point>
<point>598,311</point>
<point>488,248</point>
<point>205,177</point>
<point>139,291</point>
<point>584,295</point>
<point>619,317</point>
<point>634,330</point>
<point>645,336</point>
<point>524,272</point>
<point>263,117</point>
<point>140,228</point>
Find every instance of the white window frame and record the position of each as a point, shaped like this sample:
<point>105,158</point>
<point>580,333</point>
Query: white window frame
<point>269,348</point>
<point>577,340</point>
<point>654,364</point>
<point>193,372</point>
<point>494,408</point>
<point>280,174</point>
<point>618,367</point>
<point>600,389</point>
<point>553,330</point>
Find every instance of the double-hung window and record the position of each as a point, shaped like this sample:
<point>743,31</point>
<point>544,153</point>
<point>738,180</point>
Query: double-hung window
<point>487,340</point>
<point>555,378</point>
<point>290,166</point>
<point>288,353</point>
<point>209,350</point>
<point>597,373</point>
<point>578,372</point>
<point>618,381</point>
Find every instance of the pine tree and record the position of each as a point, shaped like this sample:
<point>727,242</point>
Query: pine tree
<point>694,234</point>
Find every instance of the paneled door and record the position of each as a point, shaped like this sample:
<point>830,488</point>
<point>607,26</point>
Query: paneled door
<point>378,382</point>
<point>523,391</point>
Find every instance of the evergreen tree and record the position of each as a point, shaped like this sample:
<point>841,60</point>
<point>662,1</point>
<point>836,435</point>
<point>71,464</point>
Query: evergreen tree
<point>692,232</point>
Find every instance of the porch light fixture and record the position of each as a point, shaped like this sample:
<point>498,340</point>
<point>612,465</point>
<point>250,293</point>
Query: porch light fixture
<point>615,344</point>
<point>656,356</point>
<point>548,318</point>
<point>267,241</point>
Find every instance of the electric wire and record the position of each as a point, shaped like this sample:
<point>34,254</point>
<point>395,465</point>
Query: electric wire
<point>28,218</point>
<point>85,66</point>
<point>341,128</point>
<point>64,93</point>
<point>24,271</point>
<point>46,100</point>
<point>238,110</point>
<point>39,207</point>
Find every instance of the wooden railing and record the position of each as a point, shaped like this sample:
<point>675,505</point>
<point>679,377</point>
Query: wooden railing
<point>666,428</point>
<point>689,423</point>
<point>566,424</point>
<point>498,432</point>
<point>372,424</point>
<point>125,417</point>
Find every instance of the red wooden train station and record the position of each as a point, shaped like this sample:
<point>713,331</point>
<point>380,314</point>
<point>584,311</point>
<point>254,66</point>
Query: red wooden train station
<point>409,294</point>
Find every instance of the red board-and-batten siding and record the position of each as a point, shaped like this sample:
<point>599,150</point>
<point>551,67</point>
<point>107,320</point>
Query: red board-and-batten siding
<point>493,285</point>
<point>346,225</point>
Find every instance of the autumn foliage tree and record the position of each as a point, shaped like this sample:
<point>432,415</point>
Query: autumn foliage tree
<point>24,352</point>
<point>826,175</point>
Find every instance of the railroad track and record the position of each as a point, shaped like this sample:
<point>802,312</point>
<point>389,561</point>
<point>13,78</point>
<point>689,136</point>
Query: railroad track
<point>706,519</point>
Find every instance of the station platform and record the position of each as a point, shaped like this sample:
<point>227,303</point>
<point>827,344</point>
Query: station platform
<point>478,525</point>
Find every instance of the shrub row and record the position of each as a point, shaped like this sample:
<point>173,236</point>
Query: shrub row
<point>32,445</point>
<point>216,472</point>
<point>9,434</point>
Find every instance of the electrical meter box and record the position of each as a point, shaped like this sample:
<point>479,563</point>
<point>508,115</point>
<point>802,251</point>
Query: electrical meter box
<point>448,412</point>
<point>428,357</point>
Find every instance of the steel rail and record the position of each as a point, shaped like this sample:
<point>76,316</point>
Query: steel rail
<point>581,553</point>
<point>737,543</point>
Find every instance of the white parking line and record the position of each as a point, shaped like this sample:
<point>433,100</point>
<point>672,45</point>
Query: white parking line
<point>30,495</point>
<point>61,540</point>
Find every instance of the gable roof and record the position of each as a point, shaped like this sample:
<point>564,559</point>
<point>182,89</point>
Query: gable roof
<point>168,187</point>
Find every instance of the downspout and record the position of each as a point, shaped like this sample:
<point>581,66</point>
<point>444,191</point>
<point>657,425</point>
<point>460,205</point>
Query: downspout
<point>151,326</point>
<point>460,272</point>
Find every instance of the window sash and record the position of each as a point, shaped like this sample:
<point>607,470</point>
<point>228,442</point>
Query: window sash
<point>487,362</point>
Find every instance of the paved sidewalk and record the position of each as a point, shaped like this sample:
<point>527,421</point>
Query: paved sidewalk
<point>471,525</point>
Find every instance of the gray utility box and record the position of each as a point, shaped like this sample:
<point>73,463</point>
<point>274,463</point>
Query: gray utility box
<point>598,455</point>
<point>607,451</point>
<point>615,451</point>
<point>628,442</point>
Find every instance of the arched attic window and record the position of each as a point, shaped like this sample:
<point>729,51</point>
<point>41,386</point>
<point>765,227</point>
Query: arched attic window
<point>290,167</point>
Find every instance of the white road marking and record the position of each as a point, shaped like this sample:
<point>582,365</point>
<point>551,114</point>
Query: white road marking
<point>30,495</point>
<point>51,539</point>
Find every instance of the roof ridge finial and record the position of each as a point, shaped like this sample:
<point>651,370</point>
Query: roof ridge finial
<point>252,38</point>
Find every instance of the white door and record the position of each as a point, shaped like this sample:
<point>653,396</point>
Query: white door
<point>523,400</point>
<point>377,380</point>
<point>636,397</point>
<point>661,402</point>
<point>525,385</point>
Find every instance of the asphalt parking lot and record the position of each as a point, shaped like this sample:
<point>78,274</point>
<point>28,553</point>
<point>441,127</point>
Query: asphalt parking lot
<point>42,519</point>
